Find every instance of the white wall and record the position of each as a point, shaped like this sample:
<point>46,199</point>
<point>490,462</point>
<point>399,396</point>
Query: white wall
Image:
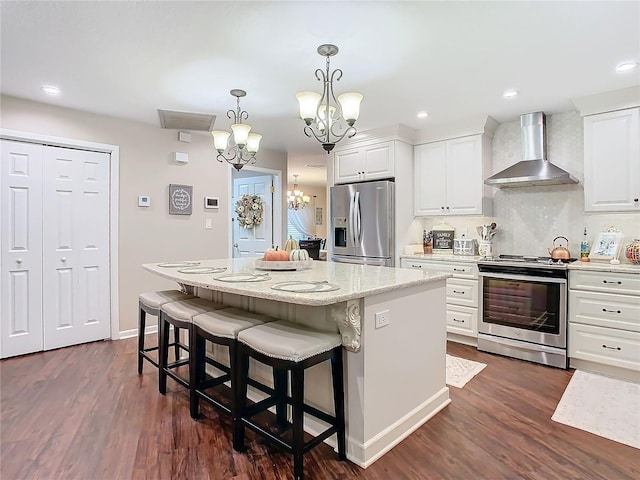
<point>147,234</point>
<point>529,218</point>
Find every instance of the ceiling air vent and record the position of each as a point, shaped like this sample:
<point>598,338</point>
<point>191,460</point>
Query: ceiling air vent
<point>186,120</point>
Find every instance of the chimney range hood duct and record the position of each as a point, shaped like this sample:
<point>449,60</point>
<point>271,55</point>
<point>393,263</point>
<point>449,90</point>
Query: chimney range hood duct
<point>534,169</point>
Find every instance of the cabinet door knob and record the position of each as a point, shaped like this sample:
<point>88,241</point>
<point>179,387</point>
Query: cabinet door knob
<point>447,208</point>
<point>63,259</point>
<point>18,260</point>
<point>441,208</point>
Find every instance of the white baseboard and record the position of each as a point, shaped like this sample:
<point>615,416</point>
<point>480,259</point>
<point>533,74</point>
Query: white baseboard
<point>134,332</point>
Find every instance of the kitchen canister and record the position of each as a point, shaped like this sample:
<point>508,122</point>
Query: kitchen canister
<point>464,246</point>
<point>485,248</point>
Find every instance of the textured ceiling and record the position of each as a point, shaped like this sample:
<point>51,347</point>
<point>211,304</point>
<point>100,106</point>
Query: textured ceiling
<point>452,59</point>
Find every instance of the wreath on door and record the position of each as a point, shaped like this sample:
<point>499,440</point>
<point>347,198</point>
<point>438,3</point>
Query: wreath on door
<point>250,209</point>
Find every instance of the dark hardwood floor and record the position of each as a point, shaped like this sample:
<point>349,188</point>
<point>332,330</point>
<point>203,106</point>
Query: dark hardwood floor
<point>83,413</point>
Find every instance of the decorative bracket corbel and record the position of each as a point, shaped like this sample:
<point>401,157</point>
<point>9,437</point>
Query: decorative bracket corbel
<point>347,317</point>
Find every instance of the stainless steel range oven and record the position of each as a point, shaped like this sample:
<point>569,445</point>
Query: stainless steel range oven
<point>523,312</point>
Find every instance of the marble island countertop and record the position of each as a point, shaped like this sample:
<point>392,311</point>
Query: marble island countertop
<point>353,281</point>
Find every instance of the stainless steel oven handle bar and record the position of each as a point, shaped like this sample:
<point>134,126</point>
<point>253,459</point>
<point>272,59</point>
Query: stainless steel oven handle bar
<point>525,278</point>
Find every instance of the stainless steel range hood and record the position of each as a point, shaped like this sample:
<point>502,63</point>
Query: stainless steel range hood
<point>534,169</point>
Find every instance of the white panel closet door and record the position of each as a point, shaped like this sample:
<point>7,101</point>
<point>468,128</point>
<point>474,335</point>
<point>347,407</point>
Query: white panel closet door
<point>75,247</point>
<point>21,270</point>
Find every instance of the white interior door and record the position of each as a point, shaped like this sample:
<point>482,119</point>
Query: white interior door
<point>253,242</point>
<point>75,247</point>
<point>21,256</point>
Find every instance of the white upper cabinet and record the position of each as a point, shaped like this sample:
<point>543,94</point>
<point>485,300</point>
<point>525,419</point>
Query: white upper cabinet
<point>367,162</point>
<point>449,177</point>
<point>612,161</point>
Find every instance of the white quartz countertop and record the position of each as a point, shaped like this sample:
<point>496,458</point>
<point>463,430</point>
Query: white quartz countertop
<point>443,257</point>
<point>603,266</point>
<point>354,281</point>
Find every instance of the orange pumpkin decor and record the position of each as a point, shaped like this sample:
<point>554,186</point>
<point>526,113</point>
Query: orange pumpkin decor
<point>275,255</point>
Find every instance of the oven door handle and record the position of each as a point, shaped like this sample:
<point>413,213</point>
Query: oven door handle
<point>525,278</point>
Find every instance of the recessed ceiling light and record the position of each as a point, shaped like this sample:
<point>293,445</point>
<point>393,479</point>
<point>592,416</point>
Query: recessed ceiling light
<point>510,93</point>
<point>50,90</point>
<point>423,114</point>
<point>626,67</point>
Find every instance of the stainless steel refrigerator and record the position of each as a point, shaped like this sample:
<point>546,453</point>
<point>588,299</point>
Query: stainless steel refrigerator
<point>362,223</point>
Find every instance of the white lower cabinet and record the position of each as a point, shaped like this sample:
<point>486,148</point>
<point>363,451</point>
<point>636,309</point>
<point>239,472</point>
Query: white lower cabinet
<point>604,322</point>
<point>462,295</point>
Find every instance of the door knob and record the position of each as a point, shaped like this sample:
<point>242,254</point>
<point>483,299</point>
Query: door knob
<point>18,260</point>
<point>235,245</point>
<point>63,259</point>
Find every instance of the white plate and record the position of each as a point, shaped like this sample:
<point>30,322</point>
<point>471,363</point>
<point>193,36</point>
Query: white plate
<point>178,264</point>
<point>243,277</point>
<point>283,265</point>
<point>305,287</point>
<point>203,270</point>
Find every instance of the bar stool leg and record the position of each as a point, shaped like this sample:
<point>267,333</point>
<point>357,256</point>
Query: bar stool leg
<point>297,394</point>
<point>141,328</point>
<point>176,341</point>
<point>280,387</point>
<point>240,400</point>
<point>196,370</point>
<point>337,375</point>
<point>164,353</point>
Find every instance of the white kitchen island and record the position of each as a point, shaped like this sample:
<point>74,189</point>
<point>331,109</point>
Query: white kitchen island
<point>394,374</point>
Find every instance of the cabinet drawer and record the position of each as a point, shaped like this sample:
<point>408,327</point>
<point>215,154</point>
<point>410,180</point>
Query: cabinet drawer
<point>605,282</point>
<point>462,320</point>
<point>605,310</point>
<point>462,292</point>
<point>609,346</point>
<point>461,270</point>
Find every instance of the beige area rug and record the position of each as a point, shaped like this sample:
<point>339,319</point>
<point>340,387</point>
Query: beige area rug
<point>461,370</point>
<point>601,405</point>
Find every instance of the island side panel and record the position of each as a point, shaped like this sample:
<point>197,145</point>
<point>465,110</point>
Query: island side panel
<point>404,366</point>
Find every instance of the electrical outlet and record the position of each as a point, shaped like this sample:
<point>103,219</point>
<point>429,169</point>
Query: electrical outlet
<point>383,319</point>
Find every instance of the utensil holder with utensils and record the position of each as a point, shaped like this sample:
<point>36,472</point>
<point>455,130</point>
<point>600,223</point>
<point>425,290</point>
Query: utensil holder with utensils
<point>485,248</point>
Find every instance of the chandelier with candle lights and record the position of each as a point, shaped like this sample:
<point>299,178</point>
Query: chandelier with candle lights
<point>296,198</point>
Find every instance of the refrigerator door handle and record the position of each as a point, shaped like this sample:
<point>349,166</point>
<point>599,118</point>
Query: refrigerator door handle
<point>350,225</point>
<point>356,217</point>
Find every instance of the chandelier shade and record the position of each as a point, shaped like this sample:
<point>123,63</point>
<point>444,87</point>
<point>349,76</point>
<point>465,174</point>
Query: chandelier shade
<point>326,118</point>
<point>245,143</point>
<point>296,199</point>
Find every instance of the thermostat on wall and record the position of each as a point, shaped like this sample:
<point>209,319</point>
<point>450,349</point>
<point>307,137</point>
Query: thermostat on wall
<point>144,201</point>
<point>211,202</point>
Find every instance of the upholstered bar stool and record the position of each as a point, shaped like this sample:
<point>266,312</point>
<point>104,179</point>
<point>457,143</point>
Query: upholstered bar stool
<point>289,347</point>
<point>220,327</point>
<point>180,315</point>
<point>150,303</point>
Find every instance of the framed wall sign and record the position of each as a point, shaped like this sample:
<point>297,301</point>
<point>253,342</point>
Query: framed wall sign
<point>443,238</point>
<point>606,246</point>
<point>180,199</point>
<point>318,215</point>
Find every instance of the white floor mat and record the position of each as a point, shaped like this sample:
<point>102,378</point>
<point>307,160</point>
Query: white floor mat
<point>461,370</point>
<point>601,405</point>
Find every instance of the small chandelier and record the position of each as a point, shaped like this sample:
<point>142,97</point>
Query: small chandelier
<point>296,198</point>
<point>245,145</point>
<point>327,119</point>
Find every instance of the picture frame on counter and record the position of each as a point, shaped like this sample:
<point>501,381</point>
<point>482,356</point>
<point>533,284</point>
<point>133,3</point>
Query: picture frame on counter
<point>606,246</point>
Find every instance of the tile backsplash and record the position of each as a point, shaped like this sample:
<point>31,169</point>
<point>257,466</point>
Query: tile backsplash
<point>529,218</point>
